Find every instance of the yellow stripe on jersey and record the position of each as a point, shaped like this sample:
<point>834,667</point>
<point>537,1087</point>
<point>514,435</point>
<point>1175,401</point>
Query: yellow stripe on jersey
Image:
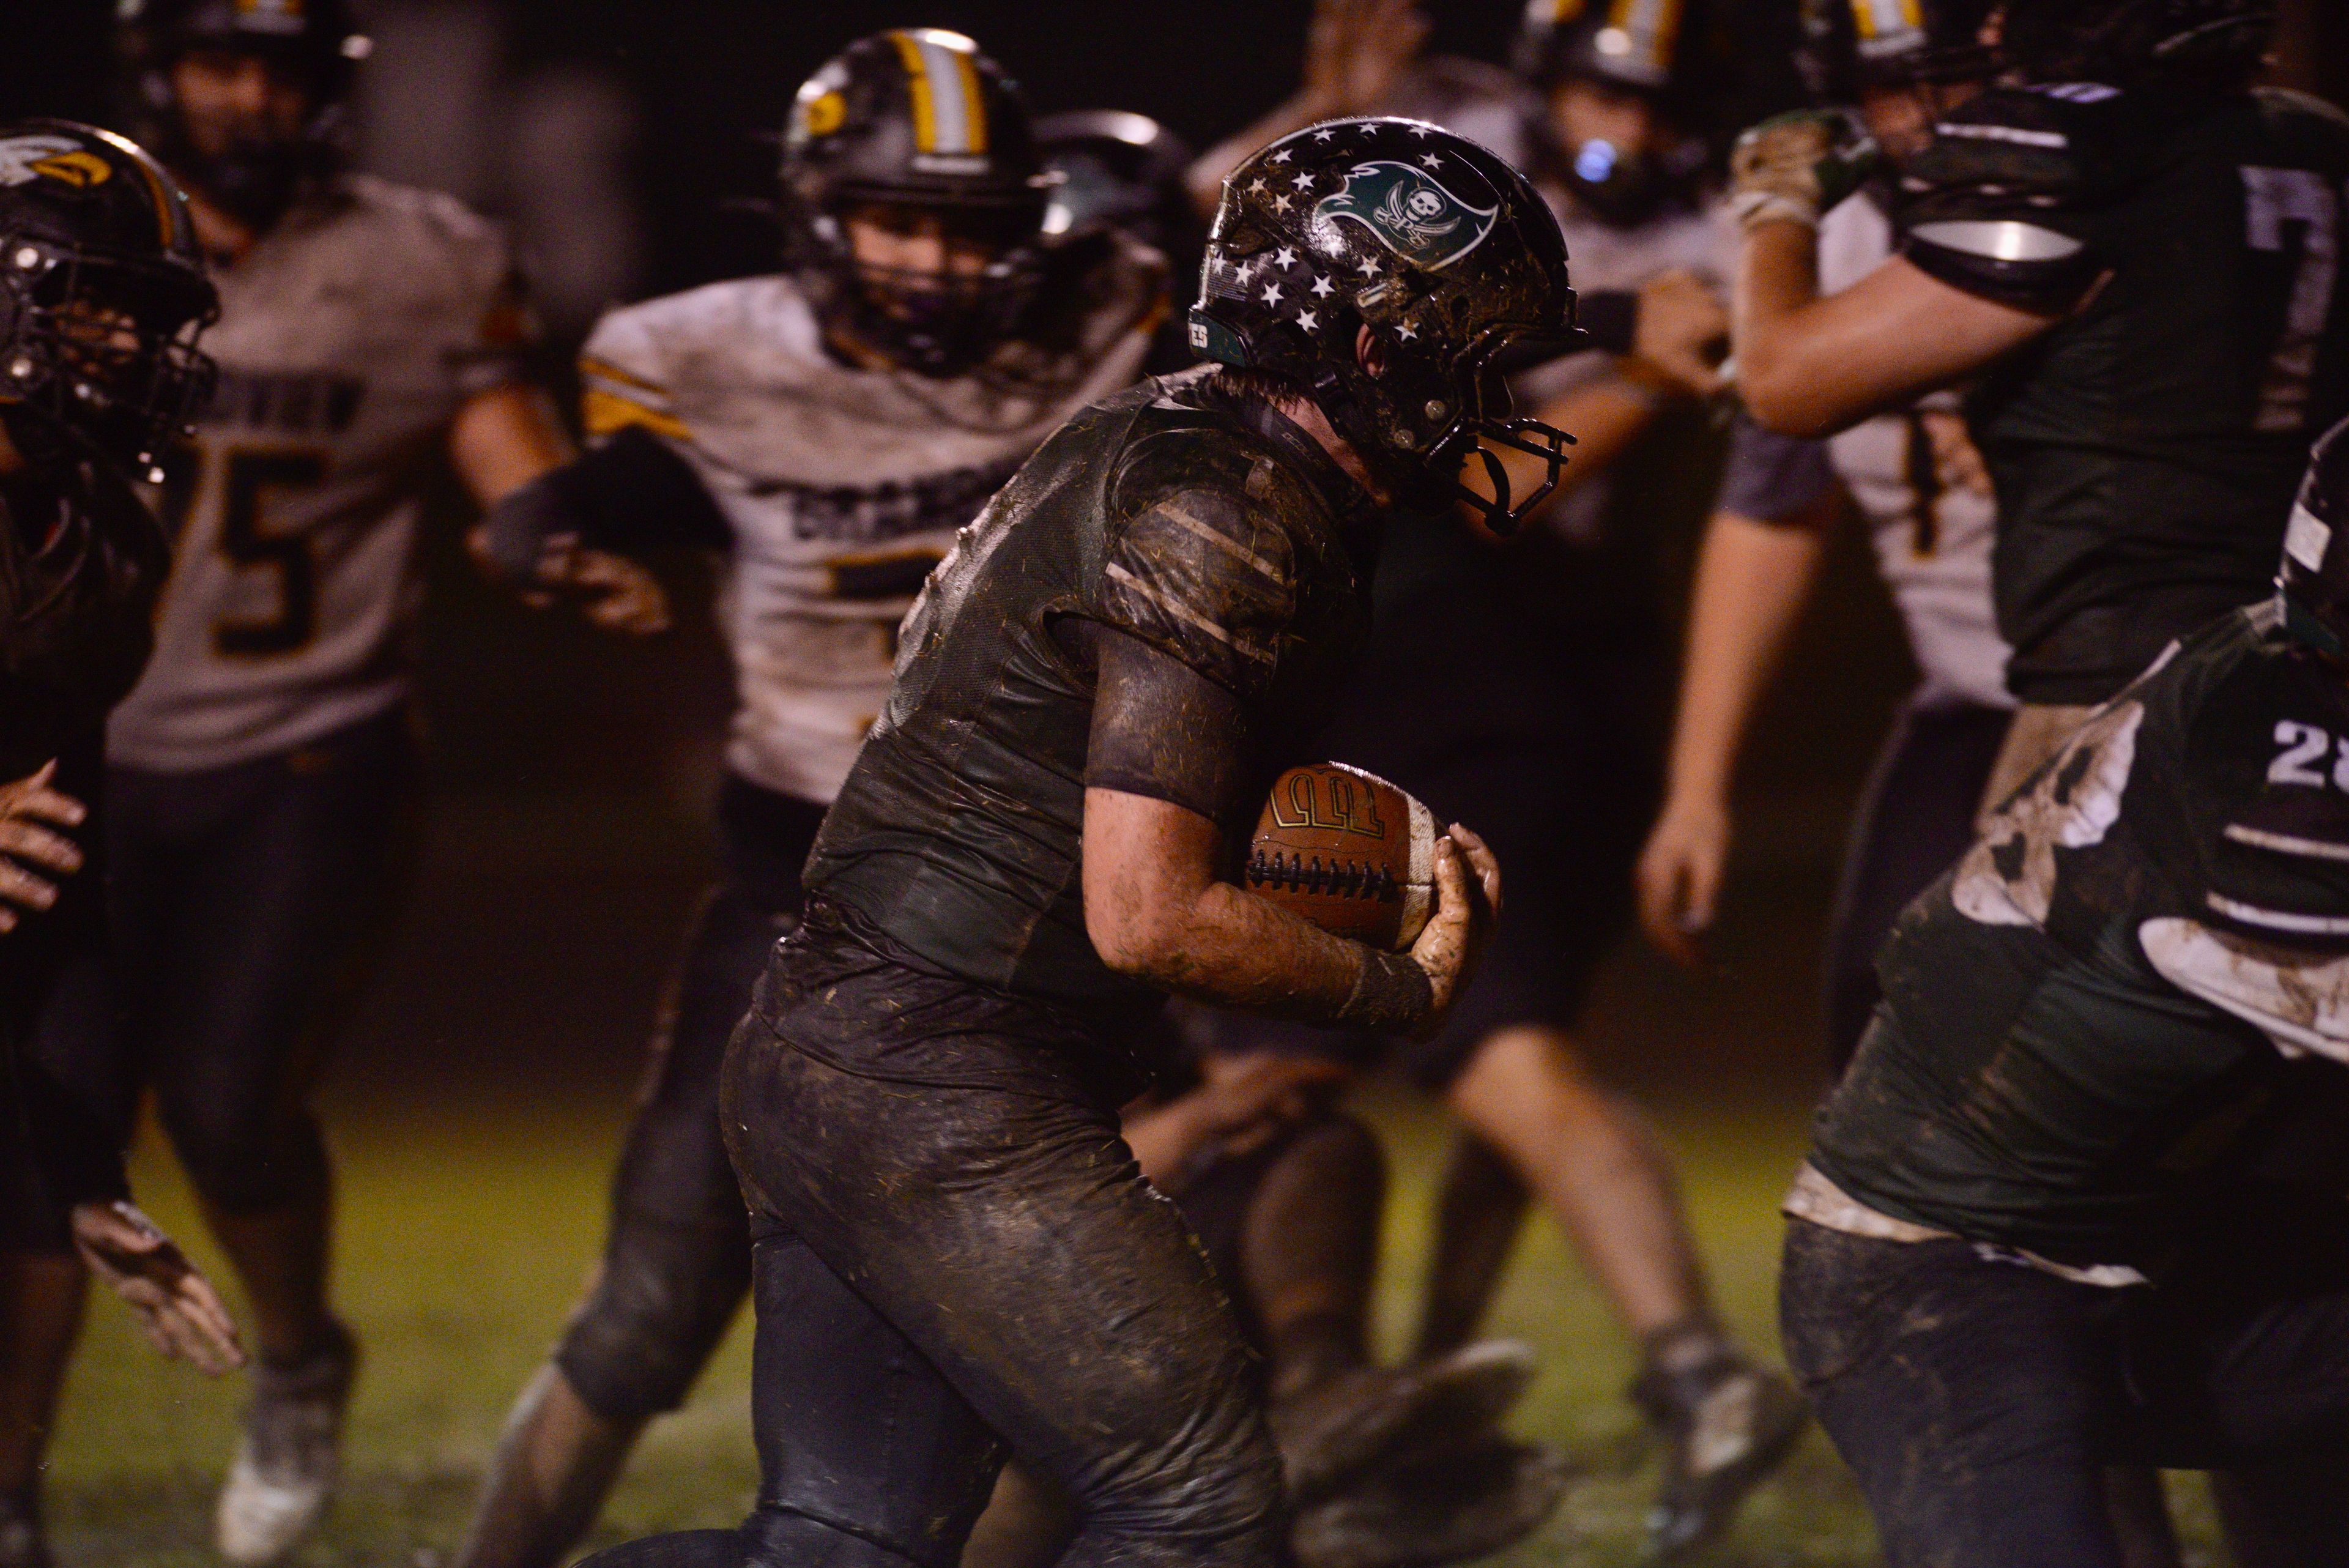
<point>604,370</point>
<point>608,413</point>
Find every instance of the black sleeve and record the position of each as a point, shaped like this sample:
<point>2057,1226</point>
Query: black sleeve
<point>631,492</point>
<point>1611,317</point>
<point>2006,203</point>
<point>1162,728</point>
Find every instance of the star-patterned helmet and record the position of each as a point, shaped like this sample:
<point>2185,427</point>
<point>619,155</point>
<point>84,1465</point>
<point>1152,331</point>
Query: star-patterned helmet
<point>1380,266</point>
<point>2314,577</point>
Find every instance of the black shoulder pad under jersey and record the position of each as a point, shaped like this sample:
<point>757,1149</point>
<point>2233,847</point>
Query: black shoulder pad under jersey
<point>1203,557</point>
<point>2002,204</point>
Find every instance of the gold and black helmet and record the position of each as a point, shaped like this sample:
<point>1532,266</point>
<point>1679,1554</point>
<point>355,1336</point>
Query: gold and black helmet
<point>102,294</point>
<point>914,120</point>
<point>1382,267</point>
<point>1851,46</point>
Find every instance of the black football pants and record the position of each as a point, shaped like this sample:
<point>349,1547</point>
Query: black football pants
<point>1979,1401</point>
<point>676,1259</point>
<point>954,1254</point>
<point>231,896</point>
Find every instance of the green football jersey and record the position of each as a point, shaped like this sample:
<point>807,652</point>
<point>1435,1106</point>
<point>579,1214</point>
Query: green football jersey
<point>2094,1021</point>
<point>1202,524</point>
<point>2144,448</point>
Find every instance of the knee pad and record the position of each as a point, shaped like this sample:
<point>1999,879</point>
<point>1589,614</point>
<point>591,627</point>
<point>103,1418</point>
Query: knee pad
<point>663,1302</point>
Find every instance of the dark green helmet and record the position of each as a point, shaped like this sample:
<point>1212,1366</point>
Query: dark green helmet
<point>1380,267</point>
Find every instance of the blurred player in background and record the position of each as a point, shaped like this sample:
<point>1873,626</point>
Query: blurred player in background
<point>103,296</point>
<point>827,428</point>
<point>2131,256</point>
<point>1923,492</point>
<point>368,333</point>
<point>1605,106</point>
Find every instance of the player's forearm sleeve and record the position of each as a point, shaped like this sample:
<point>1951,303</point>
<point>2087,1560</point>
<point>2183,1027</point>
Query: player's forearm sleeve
<point>1769,476</point>
<point>631,493</point>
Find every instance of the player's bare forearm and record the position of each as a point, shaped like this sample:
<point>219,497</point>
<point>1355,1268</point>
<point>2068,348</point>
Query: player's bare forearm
<point>1605,416</point>
<point>503,439</point>
<point>1809,365</point>
<point>1156,910</point>
<point>1753,579</point>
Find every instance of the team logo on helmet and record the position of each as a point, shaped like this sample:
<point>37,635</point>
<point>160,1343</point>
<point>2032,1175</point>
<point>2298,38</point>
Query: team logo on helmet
<point>24,159</point>
<point>1410,214</point>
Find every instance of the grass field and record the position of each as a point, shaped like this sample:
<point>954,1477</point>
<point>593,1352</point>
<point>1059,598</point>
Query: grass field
<point>467,1234</point>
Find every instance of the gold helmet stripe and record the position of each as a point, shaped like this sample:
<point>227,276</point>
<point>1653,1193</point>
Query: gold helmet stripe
<point>1644,34</point>
<point>1888,18</point>
<point>950,109</point>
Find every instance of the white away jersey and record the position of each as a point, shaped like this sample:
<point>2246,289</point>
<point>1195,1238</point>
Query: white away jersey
<point>348,338</point>
<point>1934,551</point>
<point>842,486</point>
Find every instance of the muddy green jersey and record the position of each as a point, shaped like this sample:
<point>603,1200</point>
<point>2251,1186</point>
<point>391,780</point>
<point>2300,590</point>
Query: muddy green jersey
<point>1206,526</point>
<point>2094,1021</point>
<point>2146,449</point>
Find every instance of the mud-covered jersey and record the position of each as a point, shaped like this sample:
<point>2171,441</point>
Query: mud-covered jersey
<point>842,486</point>
<point>2092,1026</point>
<point>348,339</point>
<point>2147,447</point>
<point>1208,527</point>
<point>81,563</point>
<point>1932,539</point>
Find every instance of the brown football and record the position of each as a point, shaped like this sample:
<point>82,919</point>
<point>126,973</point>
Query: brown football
<point>1348,851</point>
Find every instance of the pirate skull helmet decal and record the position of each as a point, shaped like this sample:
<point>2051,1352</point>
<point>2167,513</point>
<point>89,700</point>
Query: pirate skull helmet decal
<point>1381,265</point>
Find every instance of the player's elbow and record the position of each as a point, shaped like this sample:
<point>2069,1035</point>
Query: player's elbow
<point>1141,936</point>
<point>1785,396</point>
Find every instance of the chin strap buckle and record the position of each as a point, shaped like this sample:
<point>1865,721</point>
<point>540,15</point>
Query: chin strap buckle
<point>1530,437</point>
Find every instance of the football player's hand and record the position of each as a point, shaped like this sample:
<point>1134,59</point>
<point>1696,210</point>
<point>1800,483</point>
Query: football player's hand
<point>1679,876</point>
<point>1355,51</point>
<point>612,591</point>
<point>1467,903</point>
<point>33,854</point>
<point>1682,331</point>
<point>1796,166</point>
<point>176,1306</point>
<point>616,593</point>
<point>1956,459</point>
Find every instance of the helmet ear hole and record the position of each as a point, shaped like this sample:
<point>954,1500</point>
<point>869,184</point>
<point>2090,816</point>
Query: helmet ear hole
<point>1371,352</point>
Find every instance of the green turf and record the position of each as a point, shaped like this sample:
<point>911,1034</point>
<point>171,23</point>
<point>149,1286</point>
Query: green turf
<point>467,1234</point>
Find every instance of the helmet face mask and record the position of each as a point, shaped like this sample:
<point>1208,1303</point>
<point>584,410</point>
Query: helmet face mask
<point>1380,267</point>
<point>101,297</point>
<point>913,200</point>
<point>192,66</point>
